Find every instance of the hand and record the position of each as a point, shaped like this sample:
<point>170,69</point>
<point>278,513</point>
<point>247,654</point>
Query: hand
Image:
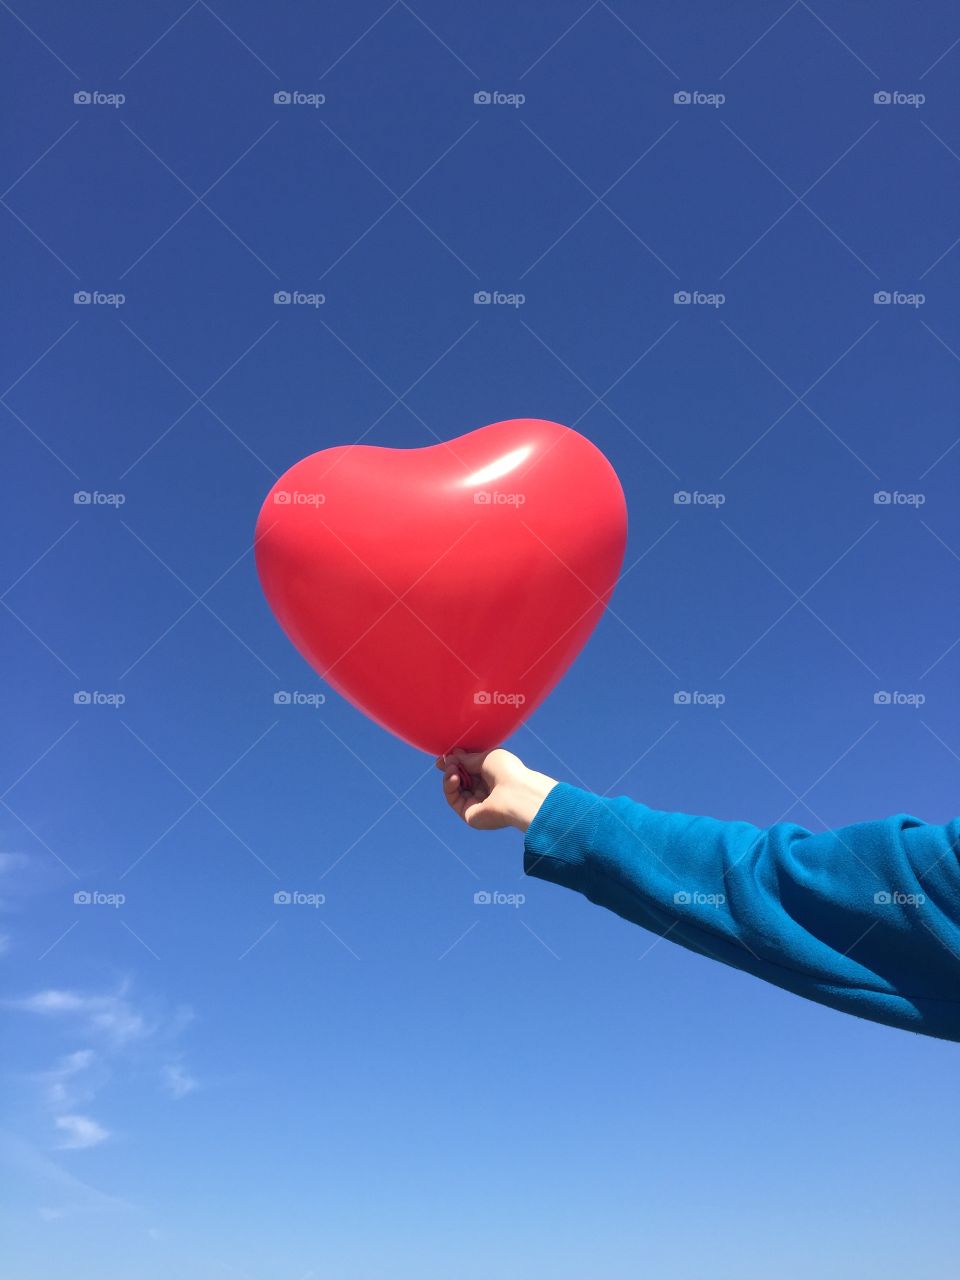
<point>505,792</point>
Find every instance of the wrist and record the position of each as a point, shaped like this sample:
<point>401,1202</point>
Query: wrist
<point>526,797</point>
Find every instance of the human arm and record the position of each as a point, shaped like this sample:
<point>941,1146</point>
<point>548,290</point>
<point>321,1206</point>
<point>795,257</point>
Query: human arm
<point>865,918</point>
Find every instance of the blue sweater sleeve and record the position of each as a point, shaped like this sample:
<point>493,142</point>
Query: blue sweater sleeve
<point>865,918</point>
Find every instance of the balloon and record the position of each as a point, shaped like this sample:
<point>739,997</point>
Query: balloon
<point>445,590</point>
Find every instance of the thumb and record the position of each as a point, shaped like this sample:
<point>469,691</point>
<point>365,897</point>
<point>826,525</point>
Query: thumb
<point>473,810</point>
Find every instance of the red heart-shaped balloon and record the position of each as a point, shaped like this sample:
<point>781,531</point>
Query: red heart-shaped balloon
<point>445,590</point>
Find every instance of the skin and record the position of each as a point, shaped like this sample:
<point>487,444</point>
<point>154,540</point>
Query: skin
<point>505,792</point>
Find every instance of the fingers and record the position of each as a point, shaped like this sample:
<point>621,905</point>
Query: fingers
<point>451,785</point>
<point>472,761</point>
<point>471,812</point>
<point>457,798</point>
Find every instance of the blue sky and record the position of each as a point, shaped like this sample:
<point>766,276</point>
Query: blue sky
<point>396,1081</point>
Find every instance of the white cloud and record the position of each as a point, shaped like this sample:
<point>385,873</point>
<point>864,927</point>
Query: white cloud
<point>59,1193</point>
<point>62,1084</point>
<point>81,1132</point>
<point>111,1016</point>
<point>22,876</point>
<point>77,1061</point>
<point>10,864</point>
<point>178,1081</point>
<point>73,1063</point>
<point>118,1032</point>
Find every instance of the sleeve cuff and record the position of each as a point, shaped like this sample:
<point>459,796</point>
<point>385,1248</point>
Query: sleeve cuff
<point>557,843</point>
